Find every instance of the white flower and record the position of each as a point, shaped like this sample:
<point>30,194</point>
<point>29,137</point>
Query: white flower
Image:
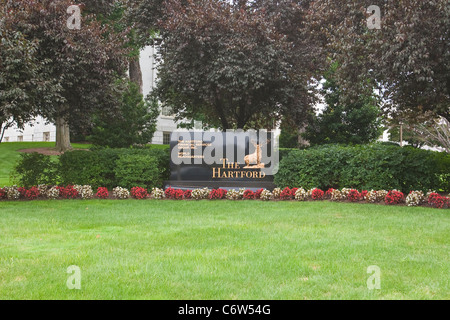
<point>234,194</point>
<point>53,193</point>
<point>121,193</point>
<point>337,195</point>
<point>301,194</point>
<point>12,193</point>
<point>276,193</point>
<point>266,195</point>
<point>415,198</point>
<point>199,194</point>
<point>158,193</point>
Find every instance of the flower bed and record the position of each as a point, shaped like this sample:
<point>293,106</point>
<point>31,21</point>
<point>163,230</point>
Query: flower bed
<point>391,197</point>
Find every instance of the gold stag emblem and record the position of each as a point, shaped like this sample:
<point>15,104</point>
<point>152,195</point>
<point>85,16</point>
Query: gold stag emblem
<point>253,160</point>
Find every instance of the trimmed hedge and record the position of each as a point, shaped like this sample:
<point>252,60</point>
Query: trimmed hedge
<point>115,167</point>
<point>375,166</point>
<point>134,170</point>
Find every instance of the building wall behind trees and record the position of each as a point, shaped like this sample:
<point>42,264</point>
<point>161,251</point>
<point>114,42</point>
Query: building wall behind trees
<point>39,130</point>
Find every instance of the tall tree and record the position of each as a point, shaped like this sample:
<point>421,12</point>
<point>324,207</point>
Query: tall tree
<point>19,77</point>
<point>233,63</point>
<point>344,122</point>
<point>409,56</point>
<point>83,65</point>
<point>134,126</point>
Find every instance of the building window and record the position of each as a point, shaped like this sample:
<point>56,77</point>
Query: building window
<point>166,111</point>
<point>19,138</point>
<point>46,136</point>
<point>166,138</point>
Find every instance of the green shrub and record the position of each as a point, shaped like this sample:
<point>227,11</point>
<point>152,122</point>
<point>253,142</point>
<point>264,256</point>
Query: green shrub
<point>375,166</point>
<point>136,170</point>
<point>306,168</point>
<point>94,168</point>
<point>33,169</point>
<point>98,168</point>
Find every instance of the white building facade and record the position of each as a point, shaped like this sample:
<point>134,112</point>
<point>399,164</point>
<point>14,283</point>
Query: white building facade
<point>39,130</point>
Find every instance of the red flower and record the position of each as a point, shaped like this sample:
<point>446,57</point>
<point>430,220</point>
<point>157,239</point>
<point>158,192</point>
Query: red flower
<point>293,191</point>
<point>68,192</point>
<point>363,194</point>
<point>2,193</point>
<point>353,195</point>
<point>102,193</point>
<point>32,193</point>
<point>170,193</point>
<point>286,194</point>
<point>22,192</point>
<point>139,193</point>
<point>394,197</point>
<point>317,194</point>
<point>249,195</point>
<point>178,194</point>
<point>187,194</point>
<point>329,193</point>
<point>217,194</point>
<point>175,194</point>
<point>258,193</point>
<point>438,201</point>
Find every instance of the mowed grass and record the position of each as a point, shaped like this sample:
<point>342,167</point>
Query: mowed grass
<point>222,250</point>
<point>9,155</point>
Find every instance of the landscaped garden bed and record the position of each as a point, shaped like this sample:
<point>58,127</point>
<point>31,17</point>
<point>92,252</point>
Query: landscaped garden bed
<point>392,197</point>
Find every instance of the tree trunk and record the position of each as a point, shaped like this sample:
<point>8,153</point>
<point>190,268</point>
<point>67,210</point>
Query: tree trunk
<point>62,135</point>
<point>241,121</point>
<point>219,109</point>
<point>136,72</point>
<point>3,129</point>
<point>401,135</point>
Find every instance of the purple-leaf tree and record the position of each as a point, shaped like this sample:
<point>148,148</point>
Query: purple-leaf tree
<point>80,67</point>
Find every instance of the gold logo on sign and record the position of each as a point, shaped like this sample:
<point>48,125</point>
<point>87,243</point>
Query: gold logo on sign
<point>253,160</point>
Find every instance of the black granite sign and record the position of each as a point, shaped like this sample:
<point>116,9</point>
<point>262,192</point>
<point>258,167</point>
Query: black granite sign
<point>222,160</point>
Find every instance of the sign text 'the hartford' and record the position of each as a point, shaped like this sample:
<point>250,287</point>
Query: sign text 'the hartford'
<point>232,170</point>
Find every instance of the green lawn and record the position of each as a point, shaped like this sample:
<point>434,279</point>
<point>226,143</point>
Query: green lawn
<point>222,250</point>
<point>9,155</point>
